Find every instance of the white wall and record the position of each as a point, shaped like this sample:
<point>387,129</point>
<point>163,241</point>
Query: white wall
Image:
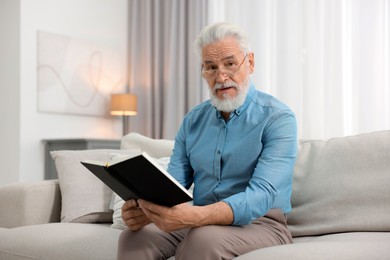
<point>9,90</point>
<point>100,21</point>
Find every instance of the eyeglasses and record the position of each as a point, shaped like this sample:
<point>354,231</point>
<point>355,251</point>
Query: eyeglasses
<point>230,69</point>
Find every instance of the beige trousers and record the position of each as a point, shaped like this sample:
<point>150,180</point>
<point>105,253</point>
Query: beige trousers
<point>207,243</point>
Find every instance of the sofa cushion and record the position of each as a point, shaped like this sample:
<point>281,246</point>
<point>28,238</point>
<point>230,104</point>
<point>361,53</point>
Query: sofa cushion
<point>85,199</point>
<point>60,241</point>
<point>29,203</point>
<point>341,185</point>
<point>356,245</point>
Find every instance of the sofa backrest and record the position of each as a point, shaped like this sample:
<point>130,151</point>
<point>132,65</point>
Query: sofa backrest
<point>156,148</point>
<point>342,185</point>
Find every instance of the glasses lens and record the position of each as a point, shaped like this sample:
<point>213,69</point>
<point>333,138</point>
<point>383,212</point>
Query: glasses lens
<point>209,74</point>
<point>229,70</point>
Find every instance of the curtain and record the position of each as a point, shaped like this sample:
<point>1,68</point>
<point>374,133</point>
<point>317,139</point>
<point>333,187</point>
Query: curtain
<point>327,59</point>
<point>163,69</point>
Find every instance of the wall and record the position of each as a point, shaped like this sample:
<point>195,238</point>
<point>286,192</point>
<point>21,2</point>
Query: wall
<point>9,90</point>
<point>100,21</point>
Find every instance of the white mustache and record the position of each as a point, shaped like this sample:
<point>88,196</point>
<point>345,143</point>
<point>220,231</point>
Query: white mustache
<point>225,85</point>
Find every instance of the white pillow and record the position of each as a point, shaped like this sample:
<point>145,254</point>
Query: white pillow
<point>117,215</point>
<point>118,201</point>
<point>85,199</point>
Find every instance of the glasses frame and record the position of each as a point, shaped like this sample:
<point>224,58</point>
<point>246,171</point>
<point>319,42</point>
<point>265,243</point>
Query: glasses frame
<point>218,71</point>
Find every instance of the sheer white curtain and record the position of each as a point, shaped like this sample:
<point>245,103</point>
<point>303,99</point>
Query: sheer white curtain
<point>327,59</point>
<point>164,71</point>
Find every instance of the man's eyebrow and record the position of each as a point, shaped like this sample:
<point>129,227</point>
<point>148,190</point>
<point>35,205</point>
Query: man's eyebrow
<point>229,57</point>
<point>224,58</point>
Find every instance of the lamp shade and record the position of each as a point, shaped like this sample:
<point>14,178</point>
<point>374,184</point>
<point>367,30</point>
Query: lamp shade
<point>123,104</point>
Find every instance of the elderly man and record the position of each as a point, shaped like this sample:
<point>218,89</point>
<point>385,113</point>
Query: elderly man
<point>238,149</point>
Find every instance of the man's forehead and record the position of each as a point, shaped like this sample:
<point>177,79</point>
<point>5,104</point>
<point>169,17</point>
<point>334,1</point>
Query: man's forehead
<point>224,49</point>
<point>220,54</point>
<point>212,59</point>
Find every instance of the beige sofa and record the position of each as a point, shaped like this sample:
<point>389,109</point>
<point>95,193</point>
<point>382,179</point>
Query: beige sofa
<point>341,207</point>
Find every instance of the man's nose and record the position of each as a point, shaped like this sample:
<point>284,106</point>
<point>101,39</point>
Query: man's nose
<point>221,76</point>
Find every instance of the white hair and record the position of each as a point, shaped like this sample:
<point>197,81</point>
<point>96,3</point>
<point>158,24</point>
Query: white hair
<point>219,31</point>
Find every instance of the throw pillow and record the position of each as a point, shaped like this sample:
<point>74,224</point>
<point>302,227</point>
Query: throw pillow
<point>342,185</point>
<point>85,199</point>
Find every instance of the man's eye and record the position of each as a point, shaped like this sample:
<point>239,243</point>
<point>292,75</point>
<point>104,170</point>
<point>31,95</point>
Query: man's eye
<point>230,64</point>
<point>211,67</point>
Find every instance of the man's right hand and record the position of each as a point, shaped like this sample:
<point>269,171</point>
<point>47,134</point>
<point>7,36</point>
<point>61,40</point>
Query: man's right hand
<point>133,216</point>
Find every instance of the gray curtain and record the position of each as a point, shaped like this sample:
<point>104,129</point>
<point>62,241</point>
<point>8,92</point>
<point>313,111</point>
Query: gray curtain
<point>164,70</point>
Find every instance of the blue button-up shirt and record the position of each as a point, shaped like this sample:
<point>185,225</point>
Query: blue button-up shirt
<point>246,161</point>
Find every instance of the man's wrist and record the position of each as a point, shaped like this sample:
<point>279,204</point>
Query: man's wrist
<point>219,213</point>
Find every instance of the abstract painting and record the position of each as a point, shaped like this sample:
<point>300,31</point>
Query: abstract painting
<point>76,76</point>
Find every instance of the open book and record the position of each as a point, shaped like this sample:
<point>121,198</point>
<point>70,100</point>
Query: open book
<point>140,177</point>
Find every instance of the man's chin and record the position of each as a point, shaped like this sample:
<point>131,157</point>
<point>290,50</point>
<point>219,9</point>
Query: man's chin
<point>224,97</point>
<point>226,103</point>
<point>229,101</point>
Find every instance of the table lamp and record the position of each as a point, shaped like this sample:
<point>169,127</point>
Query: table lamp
<point>124,105</point>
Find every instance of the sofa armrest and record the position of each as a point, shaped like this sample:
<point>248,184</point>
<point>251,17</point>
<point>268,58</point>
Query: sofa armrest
<point>30,203</point>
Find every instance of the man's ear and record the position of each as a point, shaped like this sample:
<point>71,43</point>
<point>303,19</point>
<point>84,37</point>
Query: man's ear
<point>251,59</point>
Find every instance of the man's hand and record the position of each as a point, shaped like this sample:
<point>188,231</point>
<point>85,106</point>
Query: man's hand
<point>186,216</point>
<point>133,216</point>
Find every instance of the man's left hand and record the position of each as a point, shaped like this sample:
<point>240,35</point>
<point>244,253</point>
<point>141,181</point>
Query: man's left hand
<point>186,216</point>
<point>169,219</point>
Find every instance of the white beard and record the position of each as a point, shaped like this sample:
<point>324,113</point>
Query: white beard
<point>227,103</point>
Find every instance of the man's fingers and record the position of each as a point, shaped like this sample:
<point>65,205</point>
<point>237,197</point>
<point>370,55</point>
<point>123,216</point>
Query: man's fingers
<point>151,207</point>
<point>137,222</point>
<point>132,213</point>
<point>129,205</point>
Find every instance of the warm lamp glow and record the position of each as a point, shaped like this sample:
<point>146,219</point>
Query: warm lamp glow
<point>123,105</point>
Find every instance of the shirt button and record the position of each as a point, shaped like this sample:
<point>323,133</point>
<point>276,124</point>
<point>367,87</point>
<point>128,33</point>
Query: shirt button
<point>218,152</point>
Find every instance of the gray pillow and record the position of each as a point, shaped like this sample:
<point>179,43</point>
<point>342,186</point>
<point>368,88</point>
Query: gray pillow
<point>85,199</point>
<point>342,185</point>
